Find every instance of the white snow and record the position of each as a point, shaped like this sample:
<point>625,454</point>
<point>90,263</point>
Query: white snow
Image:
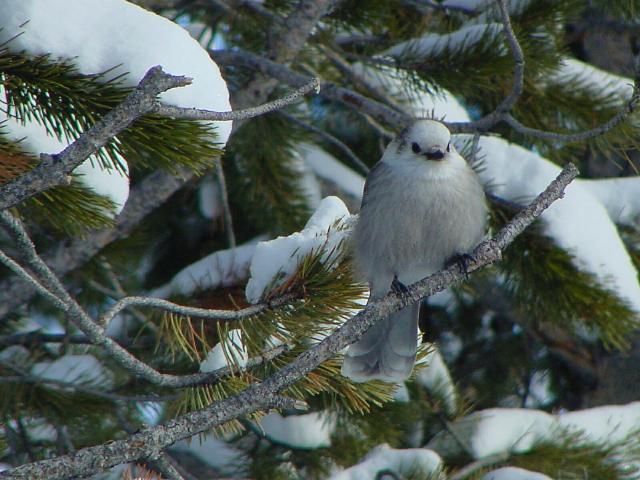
<point>326,166</point>
<point>517,430</point>
<point>401,393</point>
<point>97,35</point>
<point>578,223</point>
<point>605,82</point>
<point>514,473</point>
<point>209,202</point>
<point>108,181</point>
<point>497,430</point>
<point>474,5</point>
<point>217,453</point>
<point>223,268</point>
<point>608,424</point>
<point>419,104</point>
<point>620,196</point>
<point>433,44</point>
<point>235,348</point>
<point>15,354</point>
<point>84,369</point>
<point>308,180</point>
<point>436,379</point>
<point>308,431</point>
<point>420,462</point>
<point>539,393</point>
<point>276,260</point>
<point>34,139</point>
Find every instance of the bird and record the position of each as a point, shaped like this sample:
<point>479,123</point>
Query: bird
<point>423,206</point>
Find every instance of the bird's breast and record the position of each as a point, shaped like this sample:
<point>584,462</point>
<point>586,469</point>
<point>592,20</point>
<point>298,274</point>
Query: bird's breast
<point>413,224</point>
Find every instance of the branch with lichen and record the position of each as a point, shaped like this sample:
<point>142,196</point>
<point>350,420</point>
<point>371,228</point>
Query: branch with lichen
<point>266,395</point>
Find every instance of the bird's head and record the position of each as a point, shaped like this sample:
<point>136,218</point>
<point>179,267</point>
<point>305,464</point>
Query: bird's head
<point>426,140</point>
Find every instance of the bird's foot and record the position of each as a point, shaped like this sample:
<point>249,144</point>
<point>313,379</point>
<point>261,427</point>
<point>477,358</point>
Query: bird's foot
<point>462,260</point>
<point>399,288</point>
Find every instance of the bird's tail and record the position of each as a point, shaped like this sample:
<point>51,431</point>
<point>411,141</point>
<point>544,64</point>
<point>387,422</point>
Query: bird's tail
<point>387,351</point>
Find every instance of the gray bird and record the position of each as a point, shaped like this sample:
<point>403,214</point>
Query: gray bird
<point>422,207</point>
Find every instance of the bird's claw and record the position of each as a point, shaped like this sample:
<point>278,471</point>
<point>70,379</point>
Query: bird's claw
<point>462,260</point>
<point>399,288</point>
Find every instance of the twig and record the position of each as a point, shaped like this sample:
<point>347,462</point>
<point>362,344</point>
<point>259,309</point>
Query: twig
<point>226,207</point>
<point>346,69</point>
<point>144,198</point>
<point>192,311</point>
<point>25,377</point>
<point>200,114</point>
<point>585,134</point>
<point>261,396</point>
<point>95,332</point>
<point>400,119</point>
<point>38,338</point>
<point>516,50</point>
<point>29,278</point>
<point>355,160</point>
<point>328,90</point>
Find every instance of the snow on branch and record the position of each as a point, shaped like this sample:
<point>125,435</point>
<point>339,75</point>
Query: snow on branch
<point>149,441</point>
<point>55,169</point>
<point>399,118</point>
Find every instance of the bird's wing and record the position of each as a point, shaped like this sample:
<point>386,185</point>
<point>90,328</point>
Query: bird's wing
<point>375,175</point>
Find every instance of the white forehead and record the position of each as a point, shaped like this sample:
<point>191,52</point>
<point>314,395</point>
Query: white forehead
<point>428,132</point>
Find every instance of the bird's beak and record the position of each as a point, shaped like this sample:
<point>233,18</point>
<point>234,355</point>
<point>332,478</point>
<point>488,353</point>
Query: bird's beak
<point>435,154</point>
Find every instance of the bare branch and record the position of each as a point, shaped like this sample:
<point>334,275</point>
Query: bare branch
<point>329,90</point>
<point>191,311</point>
<point>579,136</point>
<point>145,197</point>
<point>96,332</point>
<point>226,207</point>
<point>399,119</point>
<point>359,164</point>
<point>263,395</point>
<point>518,56</point>
<point>200,114</point>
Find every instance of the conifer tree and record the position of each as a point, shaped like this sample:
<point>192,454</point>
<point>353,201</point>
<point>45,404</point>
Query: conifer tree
<point>196,330</point>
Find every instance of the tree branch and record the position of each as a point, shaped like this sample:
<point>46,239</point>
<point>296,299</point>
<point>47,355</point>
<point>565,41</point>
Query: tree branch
<point>329,90</point>
<point>400,119</point>
<point>200,114</point>
<point>264,395</point>
<point>55,169</point>
<point>192,311</point>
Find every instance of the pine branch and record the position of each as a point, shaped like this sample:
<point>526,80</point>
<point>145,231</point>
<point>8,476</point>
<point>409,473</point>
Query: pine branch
<point>54,169</point>
<point>264,395</point>
<point>399,119</point>
<point>51,287</point>
<point>148,195</point>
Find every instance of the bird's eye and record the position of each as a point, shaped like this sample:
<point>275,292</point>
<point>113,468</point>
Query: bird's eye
<point>415,147</point>
<point>449,147</point>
